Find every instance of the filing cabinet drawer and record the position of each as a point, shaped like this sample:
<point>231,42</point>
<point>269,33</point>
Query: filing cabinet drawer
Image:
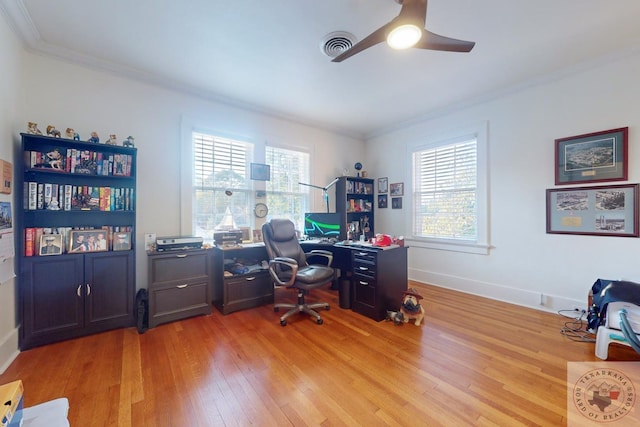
<point>177,266</point>
<point>246,291</point>
<point>364,297</point>
<point>169,302</point>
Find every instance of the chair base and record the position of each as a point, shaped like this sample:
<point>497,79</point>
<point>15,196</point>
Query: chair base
<point>301,307</point>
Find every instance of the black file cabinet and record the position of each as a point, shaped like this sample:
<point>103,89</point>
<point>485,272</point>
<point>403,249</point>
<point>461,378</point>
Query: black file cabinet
<point>379,279</point>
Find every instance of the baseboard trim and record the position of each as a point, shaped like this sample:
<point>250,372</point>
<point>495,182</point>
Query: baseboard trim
<point>9,349</point>
<point>526,298</point>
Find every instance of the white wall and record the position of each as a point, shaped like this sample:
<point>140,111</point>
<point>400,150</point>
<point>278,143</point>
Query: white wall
<point>9,105</point>
<point>68,95</point>
<point>525,261</point>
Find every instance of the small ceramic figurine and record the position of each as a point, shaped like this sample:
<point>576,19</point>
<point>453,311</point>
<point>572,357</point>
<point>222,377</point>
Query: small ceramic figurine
<point>71,134</point>
<point>128,142</point>
<point>51,130</point>
<point>112,140</point>
<point>32,128</point>
<point>94,138</point>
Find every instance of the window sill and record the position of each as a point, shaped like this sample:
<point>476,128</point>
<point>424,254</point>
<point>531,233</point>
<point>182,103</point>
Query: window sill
<point>450,245</point>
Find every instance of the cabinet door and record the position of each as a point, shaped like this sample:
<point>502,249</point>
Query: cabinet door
<point>52,298</point>
<point>110,290</point>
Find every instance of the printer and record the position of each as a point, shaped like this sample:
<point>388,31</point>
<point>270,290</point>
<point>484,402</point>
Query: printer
<point>178,243</point>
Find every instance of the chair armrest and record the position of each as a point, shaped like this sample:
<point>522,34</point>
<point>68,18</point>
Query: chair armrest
<point>289,262</point>
<point>319,252</point>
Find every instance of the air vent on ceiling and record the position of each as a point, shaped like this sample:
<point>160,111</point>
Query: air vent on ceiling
<point>337,42</point>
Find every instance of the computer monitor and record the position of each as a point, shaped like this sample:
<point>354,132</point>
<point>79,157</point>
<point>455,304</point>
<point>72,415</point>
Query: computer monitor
<point>322,225</point>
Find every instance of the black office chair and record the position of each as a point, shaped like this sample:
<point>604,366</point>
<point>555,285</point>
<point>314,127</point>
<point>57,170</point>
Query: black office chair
<point>288,267</point>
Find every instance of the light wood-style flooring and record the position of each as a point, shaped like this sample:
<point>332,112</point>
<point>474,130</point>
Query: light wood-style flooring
<point>474,362</point>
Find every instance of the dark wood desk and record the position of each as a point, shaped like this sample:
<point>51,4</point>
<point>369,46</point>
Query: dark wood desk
<point>371,280</point>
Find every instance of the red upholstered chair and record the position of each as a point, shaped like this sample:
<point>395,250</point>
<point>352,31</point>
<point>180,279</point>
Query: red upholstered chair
<point>288,267</point>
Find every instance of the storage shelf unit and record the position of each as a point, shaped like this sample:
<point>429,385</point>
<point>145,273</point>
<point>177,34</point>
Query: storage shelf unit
<point>354,203</point>
<point>70,295</point>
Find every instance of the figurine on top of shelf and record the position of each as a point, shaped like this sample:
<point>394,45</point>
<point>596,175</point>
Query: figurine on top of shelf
<point>72,134</point>
<point>32,128</point>
<point>51,130</point>
<point>94,138</point>
<point>128,142</point>
<point>112,140</point>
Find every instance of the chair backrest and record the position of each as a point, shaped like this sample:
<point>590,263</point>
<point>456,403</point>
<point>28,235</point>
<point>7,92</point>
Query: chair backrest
<point>281,240</point>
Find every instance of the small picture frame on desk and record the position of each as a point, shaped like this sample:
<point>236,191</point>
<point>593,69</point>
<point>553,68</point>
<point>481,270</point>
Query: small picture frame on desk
<point>257,236</point>
<point>50,244</point>
<point>246,234</point>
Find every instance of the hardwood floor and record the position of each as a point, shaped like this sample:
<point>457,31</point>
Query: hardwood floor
<point>474,361</point>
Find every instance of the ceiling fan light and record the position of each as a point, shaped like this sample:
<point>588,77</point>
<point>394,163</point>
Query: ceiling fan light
<point>404,36</point>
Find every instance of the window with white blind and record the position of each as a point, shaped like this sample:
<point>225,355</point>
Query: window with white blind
<point>285,197</point>
<point>449,193</point>
<point>221,183</point>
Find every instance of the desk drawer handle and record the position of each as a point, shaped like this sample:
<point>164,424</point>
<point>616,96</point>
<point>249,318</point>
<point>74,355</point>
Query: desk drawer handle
<point>364,283</point>
<point>362,253</point>
<point>182,286</point>
<point>251,278</point>
<point>181,256</point>
<point>363,268</point>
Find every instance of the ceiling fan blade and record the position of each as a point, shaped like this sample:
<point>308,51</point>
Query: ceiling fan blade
<point>378,36</point>
<point>435,41</point>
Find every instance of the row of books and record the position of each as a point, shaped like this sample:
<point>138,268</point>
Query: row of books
<point>72,160</point>
<point>39,241</point>
<point>356,187</point>
<point>359,205</point>
<point>67,197</point>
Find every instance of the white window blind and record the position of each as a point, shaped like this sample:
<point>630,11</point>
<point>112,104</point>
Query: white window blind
<point>220,165</point>
<point>445,191</point>
<point>285,197</point>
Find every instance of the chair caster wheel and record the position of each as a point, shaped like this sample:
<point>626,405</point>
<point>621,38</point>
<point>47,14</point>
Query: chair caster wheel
<point>327,307</point>
<point>283,323</point>
<point>276,309</point>
<point>319,321</point>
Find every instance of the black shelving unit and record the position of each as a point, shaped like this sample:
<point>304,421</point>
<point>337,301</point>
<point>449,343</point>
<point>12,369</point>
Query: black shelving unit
<point>355,204</point>
<point>73,294</point>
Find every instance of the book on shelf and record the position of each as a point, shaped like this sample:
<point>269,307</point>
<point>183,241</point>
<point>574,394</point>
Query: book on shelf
<point>67,197</point>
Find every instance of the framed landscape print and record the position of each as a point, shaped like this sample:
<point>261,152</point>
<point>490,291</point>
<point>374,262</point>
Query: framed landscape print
<point>592,157</point>
<point>610,210</point>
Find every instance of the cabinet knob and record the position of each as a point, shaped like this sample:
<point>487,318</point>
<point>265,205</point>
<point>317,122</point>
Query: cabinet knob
<point>182,286</point>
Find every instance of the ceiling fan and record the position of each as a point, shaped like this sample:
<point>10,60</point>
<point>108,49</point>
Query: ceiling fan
<point>408,30</point>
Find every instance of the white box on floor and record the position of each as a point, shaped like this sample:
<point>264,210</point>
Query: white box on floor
<point>48,414</point>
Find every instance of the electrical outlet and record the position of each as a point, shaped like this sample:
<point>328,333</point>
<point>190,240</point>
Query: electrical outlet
<point>579,309</point>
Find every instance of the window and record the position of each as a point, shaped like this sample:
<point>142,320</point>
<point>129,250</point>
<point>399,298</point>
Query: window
<point>221,184</point>
<point>449,193</point>
<point>285,196</point>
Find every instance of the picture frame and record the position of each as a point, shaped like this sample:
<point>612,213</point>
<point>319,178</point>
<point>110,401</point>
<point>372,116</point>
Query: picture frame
<point>257,235</point>
<point>396,189</point>
<point>382,201</point>
<point>50,244</point>
<point>246,234</point>
<point>396,203</point>
<point>383,185</point>
<point>88,241</point>
<point>121,241</point>
<point>608,210</point>
<point>592,157</point>
<point>260,172</point>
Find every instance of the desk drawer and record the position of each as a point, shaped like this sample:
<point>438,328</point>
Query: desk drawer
<point>246,291</point>
<point>178,266</point>
<point>364,297</point>
<point>173,301</point>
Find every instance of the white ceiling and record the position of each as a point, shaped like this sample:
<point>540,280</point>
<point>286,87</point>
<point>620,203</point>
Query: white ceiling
<point>265,54</point>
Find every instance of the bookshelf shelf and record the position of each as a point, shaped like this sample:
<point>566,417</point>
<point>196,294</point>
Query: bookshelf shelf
<point>85,188</point>
<point>354,202</point>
